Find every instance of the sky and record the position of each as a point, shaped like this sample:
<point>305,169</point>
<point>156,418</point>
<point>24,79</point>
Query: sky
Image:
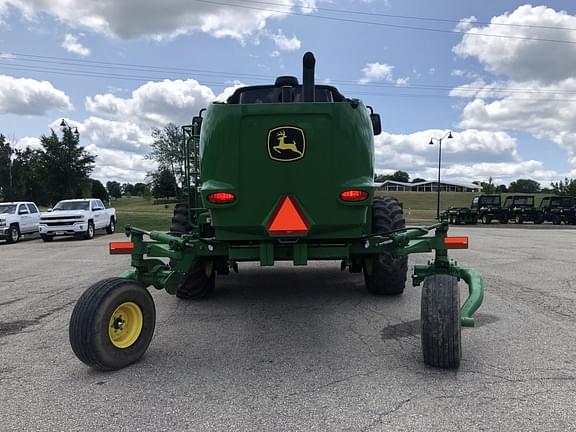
<point>500,74</point>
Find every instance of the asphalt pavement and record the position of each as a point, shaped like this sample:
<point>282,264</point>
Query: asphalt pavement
<point>297,349</point>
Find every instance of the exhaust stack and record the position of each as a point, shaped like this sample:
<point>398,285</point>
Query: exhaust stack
<point>308,66</point>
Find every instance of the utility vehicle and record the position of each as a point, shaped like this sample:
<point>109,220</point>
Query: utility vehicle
<point>520,209</point>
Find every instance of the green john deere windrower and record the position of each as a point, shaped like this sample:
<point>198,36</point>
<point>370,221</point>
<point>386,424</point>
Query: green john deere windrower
<point>277,173</point>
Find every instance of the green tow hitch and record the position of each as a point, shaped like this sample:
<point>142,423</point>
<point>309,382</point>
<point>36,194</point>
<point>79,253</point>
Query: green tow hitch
<point>412,241</point>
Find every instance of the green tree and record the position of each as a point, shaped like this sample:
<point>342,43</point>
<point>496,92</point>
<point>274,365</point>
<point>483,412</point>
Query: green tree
<point>501,189</point>
<point>488,188</point>
<point>28,182</point>
<point>113,188</point>
<point>98,190</point>
<point>566,187</point>
<point>166,150</point>
<point>66,165</point>
<point>140,189</point>
<point>164,184</point>
<point>401,176</point>
<point>524,186</point>
<point>5,169</point>
<point>418,180</point>
<point>128,189</point>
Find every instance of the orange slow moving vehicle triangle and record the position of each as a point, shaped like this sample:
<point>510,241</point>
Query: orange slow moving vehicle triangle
<point>287,220</point>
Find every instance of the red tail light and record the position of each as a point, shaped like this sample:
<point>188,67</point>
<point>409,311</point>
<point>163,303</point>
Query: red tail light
<point>456,242</point>
<point>354,195</point>
<point>121,248</point>
<point>221,197</point>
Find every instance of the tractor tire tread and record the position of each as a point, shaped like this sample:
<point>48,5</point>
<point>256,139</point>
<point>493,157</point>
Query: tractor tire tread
<point>85,322</point>
<point>440,322</point>
<point>388,273</point>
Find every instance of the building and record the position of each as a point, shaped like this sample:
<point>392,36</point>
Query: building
<point>427,186</point>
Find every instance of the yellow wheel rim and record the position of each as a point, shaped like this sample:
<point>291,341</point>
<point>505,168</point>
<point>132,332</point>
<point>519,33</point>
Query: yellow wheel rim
<point>125,325</point>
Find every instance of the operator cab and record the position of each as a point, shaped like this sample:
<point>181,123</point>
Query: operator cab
<point>287,89</point>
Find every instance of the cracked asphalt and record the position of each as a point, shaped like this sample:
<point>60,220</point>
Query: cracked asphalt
<point>297,349</point>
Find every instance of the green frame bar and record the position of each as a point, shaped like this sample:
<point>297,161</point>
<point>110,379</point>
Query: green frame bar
<point>186,250</point>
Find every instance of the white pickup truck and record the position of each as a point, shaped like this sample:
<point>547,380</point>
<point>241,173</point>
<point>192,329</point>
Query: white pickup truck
<point>17,218</point>
<point>80,217</point>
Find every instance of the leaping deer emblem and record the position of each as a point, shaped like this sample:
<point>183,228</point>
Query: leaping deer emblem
<point>283,145</point>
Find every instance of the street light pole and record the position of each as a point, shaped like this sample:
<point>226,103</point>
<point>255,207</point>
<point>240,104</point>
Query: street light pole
<point>447,135</point>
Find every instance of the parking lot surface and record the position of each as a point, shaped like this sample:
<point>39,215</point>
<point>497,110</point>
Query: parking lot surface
<point>297,349</point>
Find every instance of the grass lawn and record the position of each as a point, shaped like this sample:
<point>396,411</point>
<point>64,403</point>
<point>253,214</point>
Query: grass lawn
<point>419,207</point>
<point>141,213</point>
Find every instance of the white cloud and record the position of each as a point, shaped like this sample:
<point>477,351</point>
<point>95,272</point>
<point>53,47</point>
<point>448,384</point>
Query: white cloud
<point>466,24</point>
<point>471,155</point>
<point>536,87</point>
<point>31,142</point>
<point>30,97</point>
<point>118,165</point>
<point>523,59</point>
<point>128,19</point>
<point>376,72</point>
<point>402,82</point>
<point>155,103</point>
<point>72,45</point>
<point>285,43</point>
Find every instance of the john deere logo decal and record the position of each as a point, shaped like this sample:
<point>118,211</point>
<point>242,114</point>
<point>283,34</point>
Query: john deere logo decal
<point>286,143</point>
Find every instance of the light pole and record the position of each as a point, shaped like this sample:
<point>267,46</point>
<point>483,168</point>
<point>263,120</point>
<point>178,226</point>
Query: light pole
<point>64,125</point>
<point>447,135</point>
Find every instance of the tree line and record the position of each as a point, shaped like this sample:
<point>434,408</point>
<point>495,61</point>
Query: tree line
<point>566,187</point>
<point>62,168</point>
<point>59,170</point>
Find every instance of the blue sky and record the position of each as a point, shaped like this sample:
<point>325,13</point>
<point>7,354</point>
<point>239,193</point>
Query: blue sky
<point>501,75</point>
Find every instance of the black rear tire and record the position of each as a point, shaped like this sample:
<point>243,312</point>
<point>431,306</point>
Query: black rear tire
<point>90,231</point>
<point>180,224</point>
<point>46,238</point>
<point>199,283</point>
<point>90,324</point>
<point>385,274</point>
<point>440,321</point>
<point>111,228</point>
<point>13,234</point>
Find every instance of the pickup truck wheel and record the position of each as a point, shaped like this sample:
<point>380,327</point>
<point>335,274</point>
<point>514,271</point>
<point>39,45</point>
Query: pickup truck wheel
<point>46,238</point>
<point>111,228</point>
<point>385,274</point>
<point>440,321</point>
<point>89,234</point>
<point>13,234</point>
<point>199,283</point>
<point>112,324</point>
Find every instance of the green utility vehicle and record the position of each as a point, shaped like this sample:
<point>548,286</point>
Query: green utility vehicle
<point>277,173</point>
<point>484,208</point>
<point>558,209</point>
<point>520,209</point>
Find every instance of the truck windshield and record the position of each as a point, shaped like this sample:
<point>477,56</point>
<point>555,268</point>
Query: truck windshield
<point>72,205</point>
<point>491,200</point>
<point>7,208</point>
<point>519,201</point>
